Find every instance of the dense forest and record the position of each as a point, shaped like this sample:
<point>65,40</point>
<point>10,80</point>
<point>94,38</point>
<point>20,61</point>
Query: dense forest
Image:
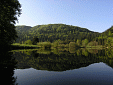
<point>64,33</point>
<point>106,38</point>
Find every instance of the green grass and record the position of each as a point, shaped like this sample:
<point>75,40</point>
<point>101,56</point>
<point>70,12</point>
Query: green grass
<point>53,45</point>
<point>44,44</point>
<point>24,45</point>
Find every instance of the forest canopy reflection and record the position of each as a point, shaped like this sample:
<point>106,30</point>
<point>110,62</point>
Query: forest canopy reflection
<point>62,60</point>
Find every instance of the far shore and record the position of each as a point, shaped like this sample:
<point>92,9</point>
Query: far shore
<point>51,46</point>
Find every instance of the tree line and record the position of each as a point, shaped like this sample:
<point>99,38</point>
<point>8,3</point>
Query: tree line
<point>65,34</point>
<point>54,32</point>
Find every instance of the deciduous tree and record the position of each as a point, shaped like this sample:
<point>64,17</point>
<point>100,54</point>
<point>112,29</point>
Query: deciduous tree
<point>9,9</point>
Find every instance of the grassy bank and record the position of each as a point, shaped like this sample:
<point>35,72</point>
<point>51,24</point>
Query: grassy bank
<point>49,45</point>
<point>43,45</point>
<point>24,45</point>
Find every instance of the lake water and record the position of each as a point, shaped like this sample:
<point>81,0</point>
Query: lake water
<point>61,67</point>
<point>94,74</point>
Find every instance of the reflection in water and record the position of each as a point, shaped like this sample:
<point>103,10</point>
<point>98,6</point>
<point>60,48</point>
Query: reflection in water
<point>62,60</point>
<point>94,74</point>
<point>7,66</point>
<point>62,67</point>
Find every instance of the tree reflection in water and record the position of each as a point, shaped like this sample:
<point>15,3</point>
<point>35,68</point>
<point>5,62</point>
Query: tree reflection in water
<point>7,66</point>
<point>62,60</point>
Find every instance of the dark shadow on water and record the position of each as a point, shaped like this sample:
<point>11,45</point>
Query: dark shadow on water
<point>7,66</point>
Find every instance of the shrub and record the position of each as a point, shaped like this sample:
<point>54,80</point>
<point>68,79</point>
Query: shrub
<point>72,44</point>
<point>29,42</point>
<point>92,43</point>
<point>55,44</point>
<point>44,44</point>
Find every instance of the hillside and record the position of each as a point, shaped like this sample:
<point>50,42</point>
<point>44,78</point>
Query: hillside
<point>21,32</point>
<point>106,37</point>
<point>52,32</point>
<point>108,30</point>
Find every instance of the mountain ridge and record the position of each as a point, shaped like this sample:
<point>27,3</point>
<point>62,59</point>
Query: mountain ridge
<point>53,32</point>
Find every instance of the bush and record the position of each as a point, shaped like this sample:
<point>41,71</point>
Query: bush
<point>44,44</point>
<point>92,43</point>
<point>29,42</point>
<point>73,45</point>
<point>55,44</point>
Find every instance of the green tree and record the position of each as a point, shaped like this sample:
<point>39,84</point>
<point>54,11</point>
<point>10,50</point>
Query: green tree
<point>78,42</point>
<point>9,9</point>
<point>73,45</point>
<point>84,42</point>
<point>28,42</point>
<point>35,40</point>
<point>110,34</point>
<point>93,43</point>
<point>55,43</point>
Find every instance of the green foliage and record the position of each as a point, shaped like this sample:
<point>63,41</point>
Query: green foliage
<point>53,32</point>
<point>9,9</point>
<point>106,38</point>
<point>78,42</point>
<point>84,42</point>
<point>29,42</point>
<point>108,32</point>
<point>35,41</point>
<point>72,44</point>
<point>57,61</point>
<point>44,44</point>
<point>66,34</point>
<point>92,43</point>
<point>55,44</point>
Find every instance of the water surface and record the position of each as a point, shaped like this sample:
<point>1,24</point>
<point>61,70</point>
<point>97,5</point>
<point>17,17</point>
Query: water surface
<point>80,67</point>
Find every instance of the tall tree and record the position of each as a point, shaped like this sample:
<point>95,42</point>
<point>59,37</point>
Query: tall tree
<point>9,11</point>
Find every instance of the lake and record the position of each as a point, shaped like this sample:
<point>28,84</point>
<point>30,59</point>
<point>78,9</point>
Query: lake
<point>62,67</point>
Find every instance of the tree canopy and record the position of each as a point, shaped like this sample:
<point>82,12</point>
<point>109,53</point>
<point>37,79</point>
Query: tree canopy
<point>9,11</point>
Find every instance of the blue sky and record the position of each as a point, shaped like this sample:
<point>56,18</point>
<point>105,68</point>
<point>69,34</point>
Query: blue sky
<point>95,15</point>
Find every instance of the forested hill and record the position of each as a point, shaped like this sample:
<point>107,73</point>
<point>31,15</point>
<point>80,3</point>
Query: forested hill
<point>106,38</point>
<point>108,31</point>
<point>22,28</point>
<point>52,32</point>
